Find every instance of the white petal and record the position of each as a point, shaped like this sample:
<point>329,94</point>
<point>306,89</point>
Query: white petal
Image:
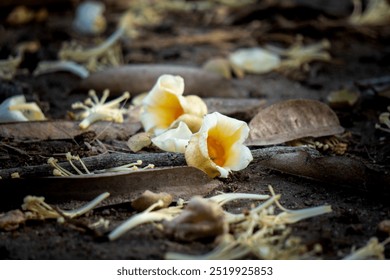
<point>240,157</point>
<point>7,115</point>
<point>255,60</point>
<point>174,140</point>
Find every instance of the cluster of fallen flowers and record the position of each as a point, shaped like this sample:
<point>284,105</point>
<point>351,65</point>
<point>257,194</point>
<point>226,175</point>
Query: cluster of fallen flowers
<point>212,143</point>
<point>260,232</point>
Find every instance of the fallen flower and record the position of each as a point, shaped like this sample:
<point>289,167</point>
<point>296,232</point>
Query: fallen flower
<point>165,104</point>
<point>372,250</point>
<point>299,55</point>
<point>97,110</point>
<point>37,208</point>
<point>218,148</point>
<point>384,119</point>
<point>11,220</point>
<point>89,19</point>
<point>16,109</point>
<point>377,13</point>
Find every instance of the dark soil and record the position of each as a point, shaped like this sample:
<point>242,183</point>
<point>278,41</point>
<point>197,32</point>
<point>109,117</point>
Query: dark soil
<point>357,55</point>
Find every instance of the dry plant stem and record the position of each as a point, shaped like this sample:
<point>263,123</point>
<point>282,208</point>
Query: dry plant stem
<point>298,161</point>
<point>144,217</point>
<point>86,208</point>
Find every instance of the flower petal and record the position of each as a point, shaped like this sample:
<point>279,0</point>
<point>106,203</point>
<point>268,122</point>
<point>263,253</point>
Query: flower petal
<point>174,140</point>
<point>196,155</point>
<point>193,122</point>
<point>194,105</point>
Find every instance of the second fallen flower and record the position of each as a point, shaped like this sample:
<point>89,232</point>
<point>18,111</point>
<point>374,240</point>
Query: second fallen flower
<point>218,147</point>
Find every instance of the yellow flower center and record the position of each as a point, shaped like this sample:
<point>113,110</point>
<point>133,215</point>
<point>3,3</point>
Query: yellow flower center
<point>216,150</point>
<point>167,110</point>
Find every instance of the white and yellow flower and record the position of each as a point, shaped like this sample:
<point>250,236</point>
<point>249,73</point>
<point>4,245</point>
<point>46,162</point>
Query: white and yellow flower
<point>217,148</point>
<point>165,104</point>
<point>16,109</point>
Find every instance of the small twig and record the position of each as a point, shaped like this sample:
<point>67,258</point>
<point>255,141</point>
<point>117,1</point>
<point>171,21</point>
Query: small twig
<point>14,148</point>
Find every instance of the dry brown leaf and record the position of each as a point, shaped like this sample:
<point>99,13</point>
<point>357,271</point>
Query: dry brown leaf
<point>182,182</point>
<point>147,198</point>
<point>54,130</point>
<point>292,119</point>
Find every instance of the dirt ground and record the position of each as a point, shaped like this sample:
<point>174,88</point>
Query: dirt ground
<point>358,54</point>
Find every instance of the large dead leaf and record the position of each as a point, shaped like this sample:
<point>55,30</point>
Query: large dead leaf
<point>55,130</point>
<point>292,119</point>
<point>181,182</point>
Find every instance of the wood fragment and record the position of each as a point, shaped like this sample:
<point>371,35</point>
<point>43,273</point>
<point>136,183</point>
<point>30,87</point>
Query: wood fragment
<point>140,78</point>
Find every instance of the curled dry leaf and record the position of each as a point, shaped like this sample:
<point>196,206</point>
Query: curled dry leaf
<point>11,220</point>
<point>292,119</point>
<point>200,219</point>
<point>147,198</point>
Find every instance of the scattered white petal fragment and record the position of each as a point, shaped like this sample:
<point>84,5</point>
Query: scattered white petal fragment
<point>217,149</point>
<point>174,140</point>
<point>165,104</point>
<point>89,18</point>
<point>45,67</point>
<point>254,60</point>
<point>97,110</point>
<point>15,109</point>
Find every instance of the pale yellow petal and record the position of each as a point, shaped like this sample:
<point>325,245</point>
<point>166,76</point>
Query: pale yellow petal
<point>194,105</point>
<point>193,122</point>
